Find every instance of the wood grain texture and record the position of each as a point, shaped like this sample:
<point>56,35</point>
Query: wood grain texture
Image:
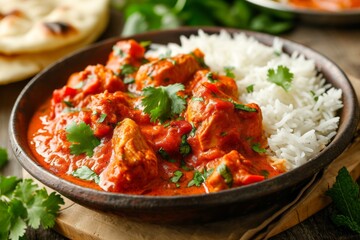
<point>340,45</point>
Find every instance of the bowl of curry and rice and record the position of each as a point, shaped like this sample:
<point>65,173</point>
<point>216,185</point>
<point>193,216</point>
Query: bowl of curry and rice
<point>184,125</point>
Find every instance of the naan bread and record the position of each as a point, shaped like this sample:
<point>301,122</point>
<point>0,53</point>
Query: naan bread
<point>19,67</point>
<point>33,26</point>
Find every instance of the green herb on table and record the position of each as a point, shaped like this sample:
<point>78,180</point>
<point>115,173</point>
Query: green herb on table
<point>162,102</point>
<point>145,15</point>
<point>82,139</point>
<point>281,77</point>
<point>3,157</point>
<point>346,199</point>
<point>23,204</point>
<point>85,173</point>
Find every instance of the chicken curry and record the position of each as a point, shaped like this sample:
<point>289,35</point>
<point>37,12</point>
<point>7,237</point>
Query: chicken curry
<point>151,126</point>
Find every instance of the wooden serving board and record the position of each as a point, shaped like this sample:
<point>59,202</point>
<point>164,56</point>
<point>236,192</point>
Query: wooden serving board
<point>77,222</point>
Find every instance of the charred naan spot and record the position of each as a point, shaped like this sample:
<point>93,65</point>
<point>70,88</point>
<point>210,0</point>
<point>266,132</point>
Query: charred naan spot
<point>58,28</point>
<point>11,13</point>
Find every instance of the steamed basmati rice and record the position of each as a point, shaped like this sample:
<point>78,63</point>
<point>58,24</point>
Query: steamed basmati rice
<point>298,123</point>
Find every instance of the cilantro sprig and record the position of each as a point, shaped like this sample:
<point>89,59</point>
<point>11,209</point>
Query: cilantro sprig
<point>346,199</point>
<point>82,139</point>
<point>281,77</point>
<point>162,102</point>
<point>23,204</point>
<point>200,177</point>
<point>85,173</point>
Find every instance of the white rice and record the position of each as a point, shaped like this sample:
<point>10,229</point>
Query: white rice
<point>297,126</point>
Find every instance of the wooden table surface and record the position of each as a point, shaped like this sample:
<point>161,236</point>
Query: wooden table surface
<point>342,45</point>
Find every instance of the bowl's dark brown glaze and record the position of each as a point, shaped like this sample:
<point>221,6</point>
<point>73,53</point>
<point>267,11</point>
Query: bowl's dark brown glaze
<point>237,201</point>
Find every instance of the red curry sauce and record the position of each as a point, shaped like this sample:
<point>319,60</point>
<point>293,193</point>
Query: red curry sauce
<point>140,156</point>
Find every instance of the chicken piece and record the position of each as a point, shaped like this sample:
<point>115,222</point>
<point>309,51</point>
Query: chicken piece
<point>221,125</point>
<point>163,72</point>
<point>126,58</point>
<point>225,84</point>
<point>133,164</point>
<point>231,170</point>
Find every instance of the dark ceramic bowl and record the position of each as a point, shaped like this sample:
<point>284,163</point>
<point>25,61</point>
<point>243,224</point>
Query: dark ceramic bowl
<point>311,16</point>
<point>205,207</point>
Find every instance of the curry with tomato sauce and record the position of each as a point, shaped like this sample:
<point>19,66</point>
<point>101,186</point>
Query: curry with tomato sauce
<point>152,126</point>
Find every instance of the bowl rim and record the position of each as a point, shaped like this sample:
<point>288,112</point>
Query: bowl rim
<point>244,193</point>
<point>304,11</point>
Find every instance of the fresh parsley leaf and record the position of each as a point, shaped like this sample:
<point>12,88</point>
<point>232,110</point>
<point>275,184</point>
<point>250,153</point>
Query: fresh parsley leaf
<point>68,103</point>
<point>250,88</point>
<point>82,139</point>
<point>244,107</point>
<point>3,157</point>
<point>200,178</point>
<point>257,148</point>
<point>177,175</point>
<point>185,147</point>
<point>162,102</point>
<point>85,173</point>
<point>102,117</point>
<point>229,72</point>
<point>346,198</point>
<point>224,171</point>
<point>23,204</point>
<point>281,77</point>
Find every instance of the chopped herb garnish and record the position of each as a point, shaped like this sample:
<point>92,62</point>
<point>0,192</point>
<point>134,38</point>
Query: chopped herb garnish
<point>200,61</point>
<point>225,173</point>
<point>129,80</point>
<point>85,173</point>
<point>176,177</point>
<point>102,117</point>
<point>23,204</point>
<point>314,96</point>
<point>281,77</point>
<point>165,155</point>
<point>199,99</point>
<point>250,88</point>
<point>257,148</point>
<point>265,173</point>
<point>128,69</point>
<point>185,148</point>
<point>346,199</point>
<point>118,51</point>
<point>193,130</point>
<point>82,139</point>
<point>244,107</point>
<point>145,43</point>
<point>229,72</point>
<point>162,102</point>
<point>199,177</point>
<point>68,103</point>
<point>223,134</point>
<point>210,77</point>
<point>3,157</point>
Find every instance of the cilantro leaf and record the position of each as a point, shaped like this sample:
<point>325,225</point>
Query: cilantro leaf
<point>23,204</point>
<point>250,88</point>
<point>244,107</point>
<point>200,178</point>
<point>162,102</point>
<point>257,148</point>
<point>346,198</point>
<point>177,175</point>
<point>82,139</point>
<point>224,171</point>
<point>229,72</point>
<point>102,117</point>
<point>282,77</point>
<point>185,147</point>
<point>86,173</point>
<point>3,157</point>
